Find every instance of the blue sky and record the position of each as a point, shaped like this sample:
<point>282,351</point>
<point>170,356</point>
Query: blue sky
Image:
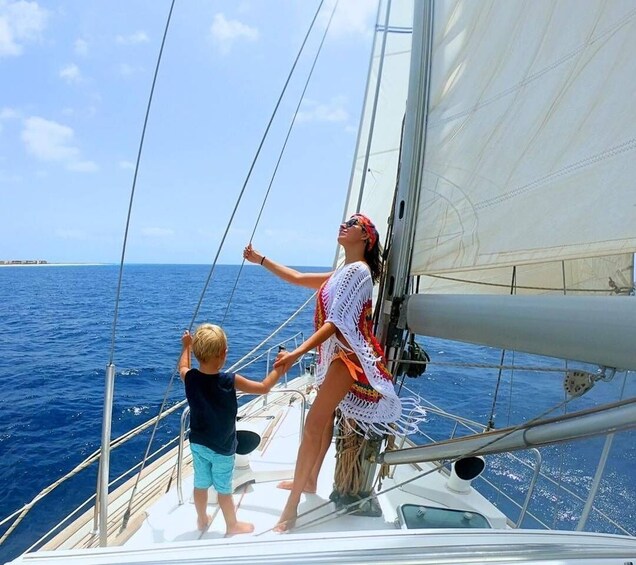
<point>75,81</point>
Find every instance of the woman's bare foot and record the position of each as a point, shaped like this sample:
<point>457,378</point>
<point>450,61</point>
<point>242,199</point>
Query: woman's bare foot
<point>288,485</point>
<point>239,528</point>
<point>287,522</point>
<point>204,524</point>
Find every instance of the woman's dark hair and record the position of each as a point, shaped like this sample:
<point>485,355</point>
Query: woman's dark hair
<point>373,258</point>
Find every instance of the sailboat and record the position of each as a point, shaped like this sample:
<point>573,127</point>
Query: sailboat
<point>496,141</point>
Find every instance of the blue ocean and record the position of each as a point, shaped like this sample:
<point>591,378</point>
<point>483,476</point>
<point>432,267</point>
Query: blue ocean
<point>56,325</point>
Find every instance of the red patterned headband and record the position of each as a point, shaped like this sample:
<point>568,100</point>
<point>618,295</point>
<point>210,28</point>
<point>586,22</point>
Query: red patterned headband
<point>369,227</point>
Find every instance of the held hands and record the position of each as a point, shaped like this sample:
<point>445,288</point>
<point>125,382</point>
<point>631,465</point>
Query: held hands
<point>285,360</point>
<point>250,254</point>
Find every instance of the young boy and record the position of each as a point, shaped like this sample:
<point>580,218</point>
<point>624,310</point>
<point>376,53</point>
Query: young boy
<point>211,395</point>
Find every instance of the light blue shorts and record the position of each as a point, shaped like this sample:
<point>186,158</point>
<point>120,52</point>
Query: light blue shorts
<point>212,469</point>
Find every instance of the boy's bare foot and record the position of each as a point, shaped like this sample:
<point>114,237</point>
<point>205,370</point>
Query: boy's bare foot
<point>239,528</point>
<point>204,524</point>
<point>288,485</point>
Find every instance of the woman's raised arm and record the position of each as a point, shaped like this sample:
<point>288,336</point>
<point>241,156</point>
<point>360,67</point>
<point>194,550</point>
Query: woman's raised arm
<point>309,280</point>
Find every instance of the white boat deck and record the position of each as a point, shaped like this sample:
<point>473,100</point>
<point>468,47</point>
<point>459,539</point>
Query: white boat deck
<point>161,530</point>
<point>257,498</point>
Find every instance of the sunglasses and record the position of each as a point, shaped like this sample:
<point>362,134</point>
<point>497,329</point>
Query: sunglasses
<point>350,223</point>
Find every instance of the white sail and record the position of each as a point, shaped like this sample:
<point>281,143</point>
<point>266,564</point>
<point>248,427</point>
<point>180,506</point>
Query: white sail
<point>611,275</point>
<point>530,143</point>
<point>383,116</point>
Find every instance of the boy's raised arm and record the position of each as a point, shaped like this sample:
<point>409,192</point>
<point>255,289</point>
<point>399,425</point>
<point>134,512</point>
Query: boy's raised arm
<point>254,387</point>
<point>185,361</point>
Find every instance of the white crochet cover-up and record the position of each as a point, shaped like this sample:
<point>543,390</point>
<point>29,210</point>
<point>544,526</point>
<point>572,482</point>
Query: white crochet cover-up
<point>345,301</point>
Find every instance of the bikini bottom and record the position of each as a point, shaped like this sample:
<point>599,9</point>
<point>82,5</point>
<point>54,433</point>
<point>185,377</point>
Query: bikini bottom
<point>351,366</point>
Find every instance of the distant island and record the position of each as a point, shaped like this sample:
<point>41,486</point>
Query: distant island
<point>25,262</point>
<point>42,263</point>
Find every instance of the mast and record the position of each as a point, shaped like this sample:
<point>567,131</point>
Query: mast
<point>407,194</point>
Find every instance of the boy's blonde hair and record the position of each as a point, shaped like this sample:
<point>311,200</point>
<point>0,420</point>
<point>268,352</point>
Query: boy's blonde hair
<point>209,342</point>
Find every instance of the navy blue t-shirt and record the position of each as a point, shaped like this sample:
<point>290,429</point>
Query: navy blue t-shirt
<point>213,407</point>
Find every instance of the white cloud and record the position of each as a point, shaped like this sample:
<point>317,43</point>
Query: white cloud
<point>83,166</point>
<point>334,111</point>
<point>87,112</point>
<point>127,165</point>
<point>157,232</point>
<point>8,113</point>
<point>66,233</point>
<point>52,142</point>
<point>352,17</point>
<point>9,177</point>
<point>225,32</point>
<point>126,70</point>
<point>20,22</point>
<point>81,47</point>
<point>71,73</point>
<point>133,38</point>
<point>48,140</point>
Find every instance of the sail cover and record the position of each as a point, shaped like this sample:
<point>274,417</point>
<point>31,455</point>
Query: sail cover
<point>530,148</point>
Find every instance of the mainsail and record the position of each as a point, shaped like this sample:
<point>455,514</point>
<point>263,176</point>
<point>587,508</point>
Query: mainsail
<point>529,157</point>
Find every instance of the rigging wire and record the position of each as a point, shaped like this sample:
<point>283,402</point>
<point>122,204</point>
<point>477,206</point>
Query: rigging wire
<point>280,156</point>
<point>491,418</point>
<point>220,247</point>
<point>561,448</point>
<point>134,183</point>
<point>256,155</point>
<point>376,98</point>
<point>125,241</point>
<point>236,365</point>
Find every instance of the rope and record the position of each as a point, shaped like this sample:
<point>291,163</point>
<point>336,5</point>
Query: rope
<point>280,156</point>
<point>348,476</point>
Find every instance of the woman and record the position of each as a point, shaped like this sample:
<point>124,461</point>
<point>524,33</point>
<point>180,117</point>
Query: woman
<point>351,373</point>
